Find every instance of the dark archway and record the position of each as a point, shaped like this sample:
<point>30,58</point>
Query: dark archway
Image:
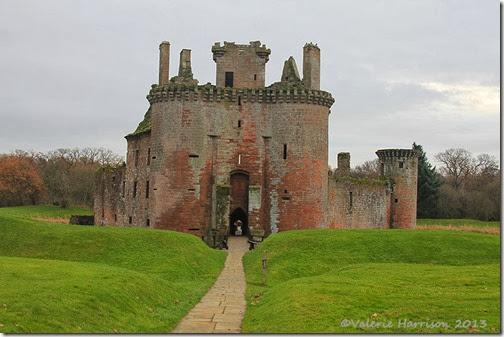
<point>238,214</point>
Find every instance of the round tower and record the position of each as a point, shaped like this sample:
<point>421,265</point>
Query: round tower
<point>401,166</point>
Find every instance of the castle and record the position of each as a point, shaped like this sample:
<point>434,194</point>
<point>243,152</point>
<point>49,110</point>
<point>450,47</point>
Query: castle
<point>208,157</point>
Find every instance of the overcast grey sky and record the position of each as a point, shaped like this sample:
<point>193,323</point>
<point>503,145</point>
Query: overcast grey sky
<point>76,73</point>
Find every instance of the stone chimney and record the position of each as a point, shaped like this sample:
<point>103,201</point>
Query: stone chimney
<point>311,66</point>
<point>164,62</point>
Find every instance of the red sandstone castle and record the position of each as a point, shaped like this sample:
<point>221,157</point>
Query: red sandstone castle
<point>206,156</point>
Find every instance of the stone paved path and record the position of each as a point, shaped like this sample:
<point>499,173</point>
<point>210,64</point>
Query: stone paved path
<point>221,310</point>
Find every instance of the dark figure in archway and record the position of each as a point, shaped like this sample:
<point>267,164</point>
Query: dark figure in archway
<point>238,219</point>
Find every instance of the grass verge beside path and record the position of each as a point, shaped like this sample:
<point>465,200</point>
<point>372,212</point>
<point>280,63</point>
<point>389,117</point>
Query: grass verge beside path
<point>318,278</point>
<point>61,278</point>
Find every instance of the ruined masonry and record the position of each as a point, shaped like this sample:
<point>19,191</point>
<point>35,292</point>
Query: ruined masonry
<point>206,156</point>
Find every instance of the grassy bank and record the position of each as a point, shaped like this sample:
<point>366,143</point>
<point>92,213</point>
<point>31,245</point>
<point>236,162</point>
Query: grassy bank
<point>319,278</point>
<point>65,278</point>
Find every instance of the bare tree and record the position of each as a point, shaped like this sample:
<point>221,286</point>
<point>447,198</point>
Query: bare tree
<point>369,169</point>
<point>458,165</point>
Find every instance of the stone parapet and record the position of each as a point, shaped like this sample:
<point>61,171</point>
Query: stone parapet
<point>211,93</point>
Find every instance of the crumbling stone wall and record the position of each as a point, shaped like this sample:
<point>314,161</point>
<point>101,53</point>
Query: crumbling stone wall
<point>109,207</point>
<point>358,203</point>
<point>138,187</point>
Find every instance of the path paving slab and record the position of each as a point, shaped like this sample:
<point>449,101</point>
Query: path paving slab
<point>222,309</point>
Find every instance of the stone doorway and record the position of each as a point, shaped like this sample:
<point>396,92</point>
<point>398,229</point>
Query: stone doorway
<point>238,223</point>
<point>239,203</point>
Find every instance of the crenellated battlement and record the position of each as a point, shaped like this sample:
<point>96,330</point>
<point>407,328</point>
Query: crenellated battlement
<point>212,93</point>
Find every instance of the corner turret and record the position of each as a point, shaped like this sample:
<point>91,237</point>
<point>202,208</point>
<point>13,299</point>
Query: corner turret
<point>401,165</point>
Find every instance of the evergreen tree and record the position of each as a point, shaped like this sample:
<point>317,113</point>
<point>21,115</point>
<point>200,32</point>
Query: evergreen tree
<point>428,186</point>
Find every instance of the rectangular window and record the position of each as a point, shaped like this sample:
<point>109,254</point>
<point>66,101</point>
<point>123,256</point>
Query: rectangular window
<point>255,77</point>
<point>123,188</point>
<point>136,157</point>
<point>229,79</point>
<point>147,189</point>
<point>148,223</point>
<point>130,220</point>
<point>115,217</point>
<point>239,100</point>
<point>148,156</point>
<point>401,164</point>
<point>285,151</point>
<point>351,199</point>
<point>239,124</point>
<point>135,185</point>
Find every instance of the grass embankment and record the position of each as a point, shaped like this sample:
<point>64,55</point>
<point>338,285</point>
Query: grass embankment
<point>65,278</point>
<point>465,225</point>
<point>319,278</point>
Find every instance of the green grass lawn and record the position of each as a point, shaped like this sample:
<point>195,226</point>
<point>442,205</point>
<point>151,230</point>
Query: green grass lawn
<point>458,223</point>
<point>318,278</point>
<point>64,278</point>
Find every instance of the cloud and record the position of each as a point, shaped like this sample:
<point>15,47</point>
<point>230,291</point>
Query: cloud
<point>470,99</point>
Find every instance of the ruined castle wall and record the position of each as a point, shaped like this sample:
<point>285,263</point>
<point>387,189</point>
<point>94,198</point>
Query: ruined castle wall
<point>109,204</point>
<point>358,203</point>
<point>137,181</point>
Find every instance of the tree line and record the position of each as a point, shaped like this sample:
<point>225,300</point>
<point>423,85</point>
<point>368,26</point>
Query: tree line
<point>464,185</point>
<point>61,177</point>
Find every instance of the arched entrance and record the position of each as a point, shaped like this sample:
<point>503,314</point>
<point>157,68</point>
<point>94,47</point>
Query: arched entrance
<point>238,217</point>
<point>239,202</point>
